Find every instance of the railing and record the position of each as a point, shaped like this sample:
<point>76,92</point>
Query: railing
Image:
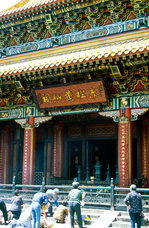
<point>102,197</point>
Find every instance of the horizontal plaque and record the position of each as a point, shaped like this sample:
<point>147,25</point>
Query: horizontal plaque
<point>70,95</point>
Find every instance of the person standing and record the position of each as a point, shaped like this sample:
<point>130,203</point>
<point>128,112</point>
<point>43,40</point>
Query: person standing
<point>3,208</point>
<point>133,200</point>
<point>75,198</point>
<point>52,196</point>
<point>38,200</point>
<point>16,205</point>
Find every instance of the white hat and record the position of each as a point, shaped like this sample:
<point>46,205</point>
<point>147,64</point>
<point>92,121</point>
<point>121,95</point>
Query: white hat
<point>56,190</point>
<point>49,192</point>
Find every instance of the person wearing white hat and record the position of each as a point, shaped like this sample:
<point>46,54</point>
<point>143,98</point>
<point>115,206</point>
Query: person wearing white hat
<point>52,195</point>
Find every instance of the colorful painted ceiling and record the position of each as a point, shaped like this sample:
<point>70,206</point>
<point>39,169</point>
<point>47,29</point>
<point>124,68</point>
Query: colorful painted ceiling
<point>37,21</point>
<point>44,43</point>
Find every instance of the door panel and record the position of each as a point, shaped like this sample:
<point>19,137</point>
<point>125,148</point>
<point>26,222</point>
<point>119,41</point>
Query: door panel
<point>75,158</point>
<point>39,157</point>
<point>104,151</point>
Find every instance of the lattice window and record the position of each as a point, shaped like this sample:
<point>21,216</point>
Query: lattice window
<point>101,130</point>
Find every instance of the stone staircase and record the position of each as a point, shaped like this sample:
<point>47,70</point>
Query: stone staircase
<point>123,220</point>
<point>85,212</point>
<point>105,219</point>
<point>93,213</point>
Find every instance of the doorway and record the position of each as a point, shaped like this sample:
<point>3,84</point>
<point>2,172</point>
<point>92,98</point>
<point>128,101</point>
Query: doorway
<point>75,158</point>
<point>39,162</point>
<point>103,151</point>
<point>88,153</point>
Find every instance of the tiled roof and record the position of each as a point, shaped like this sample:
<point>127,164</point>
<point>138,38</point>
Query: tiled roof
<point>25,5</point>
<point>109,51</point>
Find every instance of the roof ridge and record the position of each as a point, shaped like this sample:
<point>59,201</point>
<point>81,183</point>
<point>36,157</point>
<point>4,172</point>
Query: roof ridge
<point>76,57</point>
<point>24,5</point>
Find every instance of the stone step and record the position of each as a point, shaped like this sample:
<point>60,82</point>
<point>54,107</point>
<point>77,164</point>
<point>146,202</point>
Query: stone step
<point>124,213</point>
<point>92,215</point>
<point>52,220</point>
<point>120,224</point>
<point>123,218</point>
<point>96,211</point>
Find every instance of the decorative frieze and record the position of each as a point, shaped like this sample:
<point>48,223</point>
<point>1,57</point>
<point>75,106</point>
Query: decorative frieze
<point>75,131</point>
<point>73,37</point>
<point>138,102</point>
<point>96,130</point>
<point>37,121</point>
<point>116,115</point>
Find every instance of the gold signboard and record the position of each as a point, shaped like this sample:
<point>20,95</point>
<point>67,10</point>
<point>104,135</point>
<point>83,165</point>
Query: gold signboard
<point>70,95</point>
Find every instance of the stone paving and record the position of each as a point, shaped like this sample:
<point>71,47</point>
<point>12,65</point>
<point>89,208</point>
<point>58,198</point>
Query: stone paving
<point>98,217</point>
<point>105,219</point>
<point>56,225</point>
<point>51,219</point>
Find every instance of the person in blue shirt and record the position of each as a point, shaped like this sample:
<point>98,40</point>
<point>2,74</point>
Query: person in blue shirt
<point>38,200</point>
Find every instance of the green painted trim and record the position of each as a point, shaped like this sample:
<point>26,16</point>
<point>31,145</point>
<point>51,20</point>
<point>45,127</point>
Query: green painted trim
<point>135,100</point>
<point>75,37</point>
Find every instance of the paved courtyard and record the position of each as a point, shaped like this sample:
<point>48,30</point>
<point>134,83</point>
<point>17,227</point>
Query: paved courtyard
<point>104,219</point>
<point>50,220</point>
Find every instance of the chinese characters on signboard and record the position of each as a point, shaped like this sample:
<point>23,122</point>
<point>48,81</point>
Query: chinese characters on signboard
<point>70,95</point>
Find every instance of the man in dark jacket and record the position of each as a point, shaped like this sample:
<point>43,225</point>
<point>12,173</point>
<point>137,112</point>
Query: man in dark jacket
<point>133,201</point>
<point>3,208</point>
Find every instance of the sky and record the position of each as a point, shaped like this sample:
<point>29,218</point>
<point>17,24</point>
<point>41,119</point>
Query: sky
<point>4,4</point>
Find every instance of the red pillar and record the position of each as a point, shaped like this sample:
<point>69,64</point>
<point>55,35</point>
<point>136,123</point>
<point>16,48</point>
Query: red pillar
<point>5,155</point>
<point>58,150</point>
<point>29,152</point>
<point>125,148</point>
<point>145,148</point>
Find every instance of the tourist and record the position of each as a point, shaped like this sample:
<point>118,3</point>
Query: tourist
<point>52,196</point>
<point>3,208</point>
<point>61,213</point>
<point>75,198</point>
<point>16,205</point>
<point>39,199</point>
<point>133,201</point>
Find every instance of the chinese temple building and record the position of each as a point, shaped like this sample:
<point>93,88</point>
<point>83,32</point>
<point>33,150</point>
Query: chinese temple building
<point>74,91</point>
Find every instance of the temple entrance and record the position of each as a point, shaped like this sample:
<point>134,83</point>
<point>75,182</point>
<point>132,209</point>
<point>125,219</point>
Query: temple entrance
<point>103,152</point>
<point>85,155</point>
<point>75,158</point>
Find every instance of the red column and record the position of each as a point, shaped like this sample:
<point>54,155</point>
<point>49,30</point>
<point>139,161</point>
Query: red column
<point>29,152</point>
<point>125,148</point>
<point>58,150</point>
<point>145,148</point>
<point>4,155</point>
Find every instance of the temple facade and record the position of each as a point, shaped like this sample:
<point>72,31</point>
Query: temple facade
<point>74,91</point>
